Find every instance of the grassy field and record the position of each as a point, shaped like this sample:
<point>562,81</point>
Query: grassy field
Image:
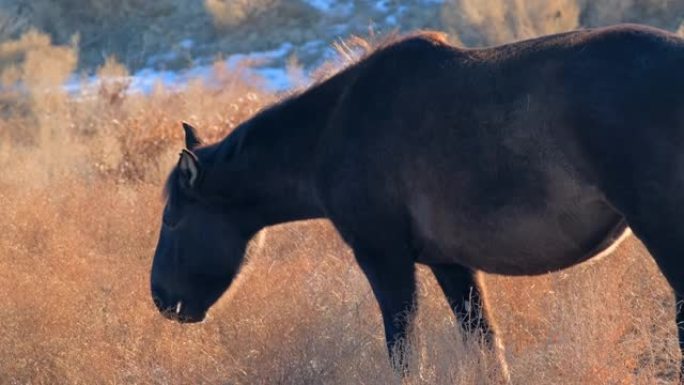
<point>80,204</point>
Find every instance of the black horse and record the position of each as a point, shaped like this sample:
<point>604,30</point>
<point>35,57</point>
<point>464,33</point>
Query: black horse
<point>518,160</point>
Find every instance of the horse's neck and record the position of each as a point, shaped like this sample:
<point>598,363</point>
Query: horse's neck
<point>286,138</point>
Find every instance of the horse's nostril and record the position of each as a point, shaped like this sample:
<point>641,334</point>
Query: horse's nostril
<point>157,301</point>
<point>170,313</point>
<point>160,298</point>
<point>168,306</point>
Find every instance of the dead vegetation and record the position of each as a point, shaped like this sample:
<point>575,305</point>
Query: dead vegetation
<point>478,23</point>
<point>80,199</point>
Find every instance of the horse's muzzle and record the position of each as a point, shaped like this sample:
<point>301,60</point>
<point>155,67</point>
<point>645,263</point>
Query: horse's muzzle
<point>175,309</point>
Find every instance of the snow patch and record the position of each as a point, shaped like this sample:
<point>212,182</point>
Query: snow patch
<point>144,81</point>
<point>382,6</point>
<point>186,43</point>
<point>333,7</point>
<point>322,5</point>
<point>269,65</point>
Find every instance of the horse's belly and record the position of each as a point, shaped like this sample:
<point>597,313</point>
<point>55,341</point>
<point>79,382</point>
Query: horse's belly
<point>518,241</point>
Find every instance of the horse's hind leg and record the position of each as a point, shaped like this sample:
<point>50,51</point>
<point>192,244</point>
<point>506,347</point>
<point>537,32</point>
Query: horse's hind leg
<point>465,297</point>
<point>668,252</point>
<point>463,294</point>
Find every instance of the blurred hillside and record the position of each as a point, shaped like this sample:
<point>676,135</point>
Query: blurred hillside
<point>176,34</point>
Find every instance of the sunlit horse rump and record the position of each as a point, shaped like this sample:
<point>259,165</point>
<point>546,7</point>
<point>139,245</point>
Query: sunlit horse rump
<point>517,160</point>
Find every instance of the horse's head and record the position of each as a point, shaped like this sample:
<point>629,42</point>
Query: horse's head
<point>202,239</point>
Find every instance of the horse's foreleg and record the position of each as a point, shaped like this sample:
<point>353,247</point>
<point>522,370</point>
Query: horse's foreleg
<point>392,278</point>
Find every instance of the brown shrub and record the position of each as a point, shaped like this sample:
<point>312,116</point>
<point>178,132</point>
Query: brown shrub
<point>229,13</point>
<point>478,23</point>
<point>660,13</point>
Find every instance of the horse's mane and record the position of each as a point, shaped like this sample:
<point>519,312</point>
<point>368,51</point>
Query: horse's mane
<point>353,53</point>
<point>356,50</point>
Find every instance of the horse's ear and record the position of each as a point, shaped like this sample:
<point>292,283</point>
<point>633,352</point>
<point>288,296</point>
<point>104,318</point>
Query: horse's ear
<point>189,168</point>
<point>192,140</point>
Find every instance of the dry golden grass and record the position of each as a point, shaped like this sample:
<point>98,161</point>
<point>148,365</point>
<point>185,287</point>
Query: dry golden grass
<point>80,203</point>
<point>74,272</point>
